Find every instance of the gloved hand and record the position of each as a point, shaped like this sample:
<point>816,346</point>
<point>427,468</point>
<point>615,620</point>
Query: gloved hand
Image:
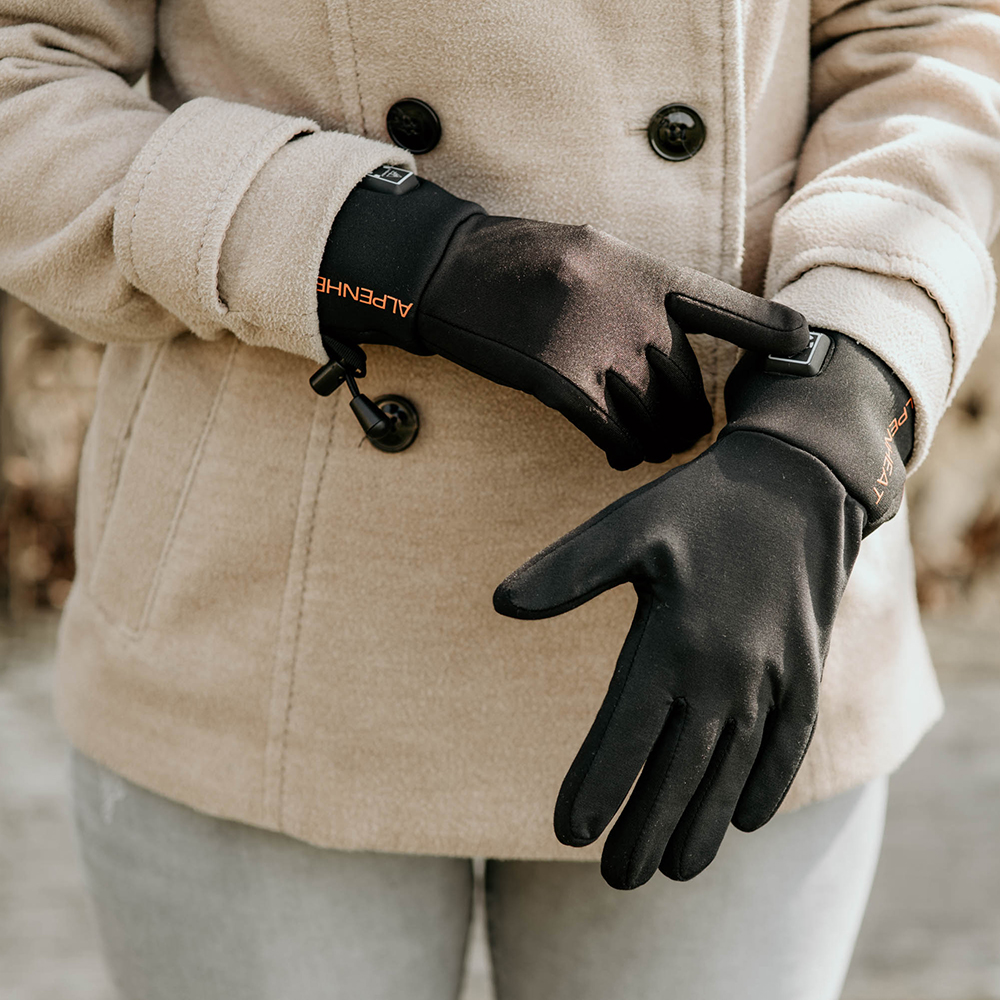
<point>584,322</point>
<point>739,560</point>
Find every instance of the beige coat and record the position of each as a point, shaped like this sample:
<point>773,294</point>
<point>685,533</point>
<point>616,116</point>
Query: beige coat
<point>276,623</point>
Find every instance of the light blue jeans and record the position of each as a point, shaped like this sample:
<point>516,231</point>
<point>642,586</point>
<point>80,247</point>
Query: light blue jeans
<point>196,908</point>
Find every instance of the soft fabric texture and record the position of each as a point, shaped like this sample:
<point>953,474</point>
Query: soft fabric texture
<point>276,623</point>
<point>206,909</point>
<point>583,322</point>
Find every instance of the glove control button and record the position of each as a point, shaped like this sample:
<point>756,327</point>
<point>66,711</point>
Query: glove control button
<point>414,125</point>
<point>676,132</point>
<point>807,362</point>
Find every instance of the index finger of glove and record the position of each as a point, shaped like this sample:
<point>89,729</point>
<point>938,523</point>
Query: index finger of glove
<point>663,792</point>
<point>599,554</point>
<point>703,304</point>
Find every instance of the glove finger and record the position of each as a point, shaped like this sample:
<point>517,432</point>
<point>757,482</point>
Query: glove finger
<point>670,777</point>
<point>624,732</point>
<point>659,396</point>
<point>630,407</point>
<point>575,568</point>
<point>639,412</point>
<point>700,831</point>
<point>706,305</point>
<point>787,735</point>
<point>683,410</point>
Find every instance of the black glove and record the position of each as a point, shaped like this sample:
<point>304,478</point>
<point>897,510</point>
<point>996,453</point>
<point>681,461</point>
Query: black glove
<point>739,560</point>
<point>584,322</point>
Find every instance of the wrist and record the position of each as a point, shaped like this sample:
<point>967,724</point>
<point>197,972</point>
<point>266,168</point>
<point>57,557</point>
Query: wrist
<point>381,252</point>
<point>854,415</point>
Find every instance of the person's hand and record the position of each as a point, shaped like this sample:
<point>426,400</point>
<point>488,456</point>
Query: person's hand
<point>739,560</point>
<point>587,324</point>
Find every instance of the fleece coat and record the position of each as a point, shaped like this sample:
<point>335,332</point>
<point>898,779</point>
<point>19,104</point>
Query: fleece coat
<point>276,623</point>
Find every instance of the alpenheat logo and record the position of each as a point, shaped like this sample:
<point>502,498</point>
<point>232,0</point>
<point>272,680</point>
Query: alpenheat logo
<point>887,463</point>
<point>366,296</point>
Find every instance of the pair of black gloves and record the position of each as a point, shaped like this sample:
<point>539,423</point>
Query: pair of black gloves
<point>738,558</point>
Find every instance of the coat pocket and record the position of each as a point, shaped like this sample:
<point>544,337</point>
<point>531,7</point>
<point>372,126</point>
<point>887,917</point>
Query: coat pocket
<point>125,371</point>
<point>149,472</point>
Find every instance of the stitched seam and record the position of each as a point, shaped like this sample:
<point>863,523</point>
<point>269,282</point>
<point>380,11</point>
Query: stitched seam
<point>889,254</point>
<point>298,626</point>
<point>944,220</point>
<point>629,870</point>
<point>254,320</point>
<point>799,270</point>
<point>185,493</point>
<point>164,142</point>
<point>276,673</point>
<point>859,185</point>
<point>114,480</point>
<point>124,435</point>
<point>167,142</point>
<point>280,126</point>
<point>707,779</point>
<point>724,201</point>
<point>114,477</point>
<point>357,71</point>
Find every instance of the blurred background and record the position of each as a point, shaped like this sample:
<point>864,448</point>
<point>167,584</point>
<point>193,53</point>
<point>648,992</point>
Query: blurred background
<point>932,931</point>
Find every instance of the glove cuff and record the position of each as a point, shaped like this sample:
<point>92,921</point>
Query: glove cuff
<point>379,257</point>
<point>855,416</point>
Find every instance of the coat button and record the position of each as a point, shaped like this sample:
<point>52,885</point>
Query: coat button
<point>676,132</point>
<point>414,125</point>
<point>405,423</point>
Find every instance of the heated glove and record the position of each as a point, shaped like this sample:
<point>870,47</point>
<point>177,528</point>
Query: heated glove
<point>739,560</point>
<point>582,321</point>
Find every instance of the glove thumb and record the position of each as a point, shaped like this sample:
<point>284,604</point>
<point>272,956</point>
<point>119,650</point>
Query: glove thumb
<point>590,559</point>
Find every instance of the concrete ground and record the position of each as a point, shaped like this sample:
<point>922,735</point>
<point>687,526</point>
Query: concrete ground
<point>932,931</point>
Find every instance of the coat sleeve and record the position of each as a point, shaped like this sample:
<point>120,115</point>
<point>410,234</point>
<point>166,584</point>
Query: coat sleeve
<point>125,222</point>
<point>897,195</point>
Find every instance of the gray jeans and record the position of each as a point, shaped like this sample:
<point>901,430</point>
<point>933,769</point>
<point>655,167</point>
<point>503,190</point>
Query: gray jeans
<point>204,909</point>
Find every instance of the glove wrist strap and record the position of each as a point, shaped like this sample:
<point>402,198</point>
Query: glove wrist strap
<point>380,255</point>
<point>855,415</point>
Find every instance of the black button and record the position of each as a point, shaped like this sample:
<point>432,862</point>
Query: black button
<point>414,125</point>
<point>405,423</point>
<point>676,132</point>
